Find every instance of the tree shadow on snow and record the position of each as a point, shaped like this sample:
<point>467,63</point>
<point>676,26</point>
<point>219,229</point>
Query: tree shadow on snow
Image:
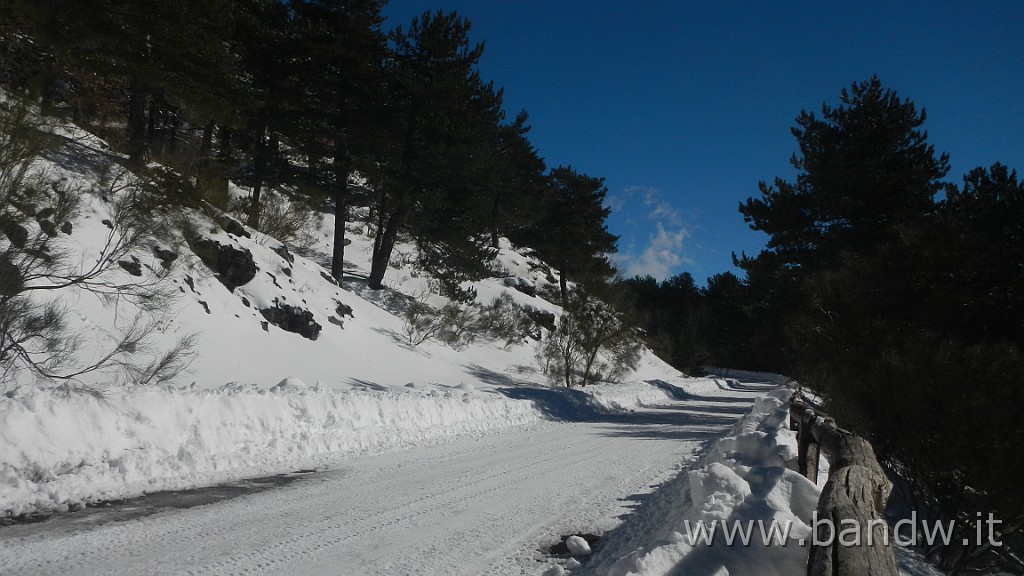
<point>493,377</point>
<point>683,423</point>
<point>677,393</point>
<point>706,418</point>
<point>367,385</point>
<point>738,386</point>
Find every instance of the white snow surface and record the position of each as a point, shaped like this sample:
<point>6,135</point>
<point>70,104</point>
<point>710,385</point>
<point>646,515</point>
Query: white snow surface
<point>480,504</point>
<point>743,476</point>
<point>62,448</point>
<point>503,463</point>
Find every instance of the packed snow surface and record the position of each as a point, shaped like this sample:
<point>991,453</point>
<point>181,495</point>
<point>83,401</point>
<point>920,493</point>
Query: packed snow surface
<point>477,504</point>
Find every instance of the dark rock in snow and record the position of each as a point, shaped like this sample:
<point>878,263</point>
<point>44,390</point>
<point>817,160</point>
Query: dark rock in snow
<point>134,267</point>
<point>66,228</point>
<point>343,310</point>
<point>48,227</point>
<point>545,319</point>
<point>522,285</point>
<point>16,233</point>
<point>292,319</point>
<point>234,267</point>
<point>232,226</point>
<point>166,257</point>
<point>283,252</point>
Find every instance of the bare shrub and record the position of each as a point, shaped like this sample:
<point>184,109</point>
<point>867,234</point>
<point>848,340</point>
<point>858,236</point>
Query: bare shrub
<point>289,220</point>
<point>452,324</point>
<point>505,320</point>
<point>38,265</point>
<point>592,342</point>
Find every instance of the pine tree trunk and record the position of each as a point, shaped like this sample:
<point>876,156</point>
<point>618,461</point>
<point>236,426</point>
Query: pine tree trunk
<point>138,143</point>
<point>253,221</point>
<point>174,130</point>
<point>225,143</point>
<point>338,254</point>
<point>495,214</point>
<point>382,249</point>
<point>259,175</point>
<point>588,367</point>
<point>384,244</point>
<point>341,171</point>
<point>564,287</point>
<point>207,143</point>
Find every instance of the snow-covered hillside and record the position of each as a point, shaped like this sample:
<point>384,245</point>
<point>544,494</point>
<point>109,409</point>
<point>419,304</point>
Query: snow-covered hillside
<point>258,399</point>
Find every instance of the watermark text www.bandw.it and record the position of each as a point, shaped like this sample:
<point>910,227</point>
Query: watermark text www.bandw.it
<point>849,532</point>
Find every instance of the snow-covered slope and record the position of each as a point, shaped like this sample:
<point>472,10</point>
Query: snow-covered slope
<point>259,399</point>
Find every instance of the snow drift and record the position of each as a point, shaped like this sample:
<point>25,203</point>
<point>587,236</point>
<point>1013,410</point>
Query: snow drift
<point>743,477</point>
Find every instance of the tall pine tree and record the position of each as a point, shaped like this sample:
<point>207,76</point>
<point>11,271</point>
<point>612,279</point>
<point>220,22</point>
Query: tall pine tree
<point>573,236</point>
<point>440,120</point>
<point>342,50</point>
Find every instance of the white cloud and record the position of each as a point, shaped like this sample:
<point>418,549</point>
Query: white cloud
<point>657,236</point>
<point>656,207</point>
<point>663,255</point>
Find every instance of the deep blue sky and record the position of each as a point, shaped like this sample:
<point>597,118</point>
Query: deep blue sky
<point>683,107</point>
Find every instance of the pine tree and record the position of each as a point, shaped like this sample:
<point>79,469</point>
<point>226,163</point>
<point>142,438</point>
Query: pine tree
<point>441,121</point>
<point>266,36</point>
<point>843,235</point>
<point>573,235</point>
<point>177,49</point>
<point>342,49</point>
<point>977,266</point>
<point>897,306</point>
<point>516,197</point>
<point>865,169</point>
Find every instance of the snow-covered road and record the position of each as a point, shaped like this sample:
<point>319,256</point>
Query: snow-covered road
<point>474,506</point>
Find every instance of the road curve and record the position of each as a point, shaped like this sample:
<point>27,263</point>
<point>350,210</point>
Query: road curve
<point>474,506</point>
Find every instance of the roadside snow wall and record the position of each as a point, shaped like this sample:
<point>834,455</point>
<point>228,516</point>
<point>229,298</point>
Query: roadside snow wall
<point>743,480</point>
<point>60,448</point>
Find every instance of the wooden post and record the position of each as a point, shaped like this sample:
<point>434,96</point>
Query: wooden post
<point>852,535</point>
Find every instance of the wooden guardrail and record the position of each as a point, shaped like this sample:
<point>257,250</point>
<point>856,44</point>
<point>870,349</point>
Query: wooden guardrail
<point>854,498</point>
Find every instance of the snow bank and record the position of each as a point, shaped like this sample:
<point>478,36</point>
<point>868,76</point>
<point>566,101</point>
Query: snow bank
<point>743,477</point>
<point>63,447</point>
<point>60,448</point>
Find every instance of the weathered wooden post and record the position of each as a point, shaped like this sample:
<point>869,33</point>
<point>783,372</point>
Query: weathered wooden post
<point>852,535</point>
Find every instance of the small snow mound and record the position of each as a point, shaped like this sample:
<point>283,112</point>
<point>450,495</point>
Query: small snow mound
<point>555,570</point>
<point>289,384</point>
<point>578,546</point>
<point>466,387</point>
